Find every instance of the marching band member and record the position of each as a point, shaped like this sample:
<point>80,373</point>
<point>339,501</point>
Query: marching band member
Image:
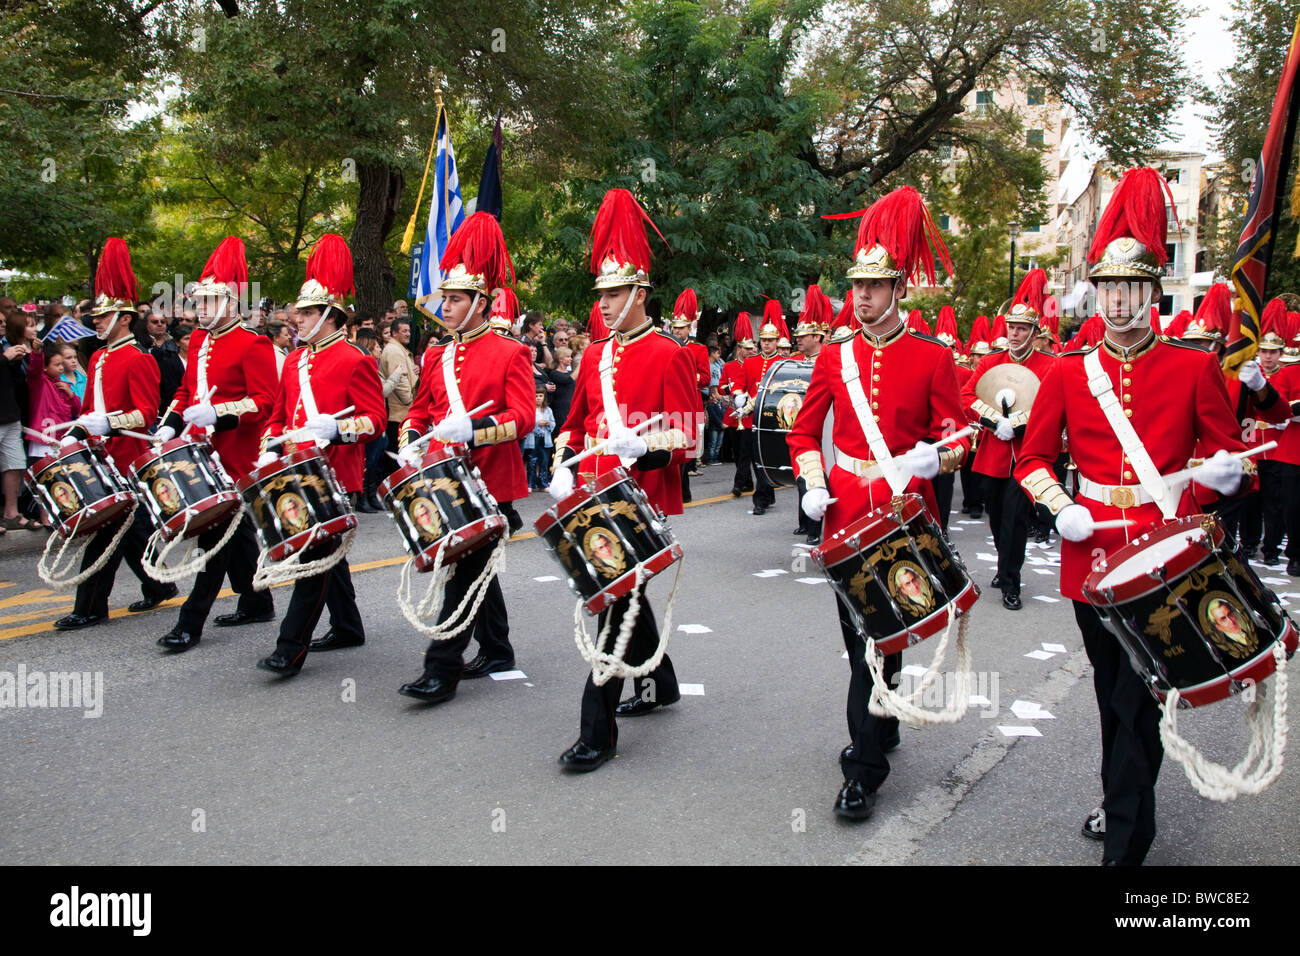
<point>239,364</point>
<point>809,331</point>
<point>635,373</point>
<point>122,394</point>
<point>770,333</point>
<point>1135,406</point>
<point>686,312</point>
<point>945,330</point>
<point>1279,469</point>
<point>473,365</point>
<point>890,389</point>
<point>1010,512</point>
<point>326,374</point>
<point>731,380</point>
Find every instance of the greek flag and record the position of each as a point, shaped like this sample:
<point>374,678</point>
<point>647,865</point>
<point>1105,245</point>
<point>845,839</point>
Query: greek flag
<point>68,329</point>
<point>446,213</point>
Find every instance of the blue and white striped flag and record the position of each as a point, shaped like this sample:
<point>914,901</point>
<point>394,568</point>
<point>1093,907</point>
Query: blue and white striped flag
<point>446,213</point>
<point>68,329</point>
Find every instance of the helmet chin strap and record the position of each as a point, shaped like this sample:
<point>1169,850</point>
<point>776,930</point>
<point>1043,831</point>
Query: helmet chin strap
<point>216,319</point>
<point>1140,319</point>
<point>316,328</point>
<point>627,307</point>
<point>1022,352</point>
<point>892,310</point>
<point>111,326</point>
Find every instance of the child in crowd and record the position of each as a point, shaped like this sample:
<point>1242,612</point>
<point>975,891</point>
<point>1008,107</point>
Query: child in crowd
<point>537,445</point>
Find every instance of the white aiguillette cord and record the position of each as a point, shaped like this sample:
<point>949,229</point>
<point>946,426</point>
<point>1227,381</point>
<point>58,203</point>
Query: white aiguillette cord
<point>851,376</point>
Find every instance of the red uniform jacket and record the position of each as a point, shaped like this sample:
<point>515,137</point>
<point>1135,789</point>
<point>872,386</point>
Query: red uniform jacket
<point>652,374</point>
<point>731,380</point>
<point>912,385</point>
<point>241,365</point>
<point>1177,398</point>
<point>755,368</point>
<point>127,378</point>
<point>488,366</point>
<point>995,456</point>
<point>340,374</point>
<point>1287,381</point>
<point>700,355</point>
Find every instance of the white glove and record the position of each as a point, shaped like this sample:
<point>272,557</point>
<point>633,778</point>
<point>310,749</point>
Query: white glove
<point>1283,424</point>
<point>740,399</point>
<point>1005,430</point>
<point>323,428</point>
<point>1221,472</point>
<point>922,461</point>
<point>202,414</point>
<point>454,429</point>
<point>67,440</point>
<point>1252,376</point>
<point>411,455</point>
<point>815,503</point>
<point>266,458</point>
<point>561,485</point>
<point>164,433</point>
<point>626,444</point>
<point>1074,523</point>
<point>94,422</point>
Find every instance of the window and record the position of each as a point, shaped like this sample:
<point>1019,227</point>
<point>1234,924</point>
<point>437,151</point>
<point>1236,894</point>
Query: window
<point>1035,96</point>
<point>945,152</point>
<point>1174,175</point>
<point>1166,305</point>
<point>1034,228</point>
<point>983,101</point>
<point>1034,138</point>
<point>945,223</point>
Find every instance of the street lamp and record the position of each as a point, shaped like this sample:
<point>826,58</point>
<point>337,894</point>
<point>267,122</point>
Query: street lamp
<point>1014,229</point>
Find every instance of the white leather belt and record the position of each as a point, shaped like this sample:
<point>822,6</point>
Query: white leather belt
<point>1117,496</point>
<point>858,467</point>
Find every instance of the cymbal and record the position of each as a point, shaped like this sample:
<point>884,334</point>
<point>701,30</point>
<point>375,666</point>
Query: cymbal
<point>1020,381</point>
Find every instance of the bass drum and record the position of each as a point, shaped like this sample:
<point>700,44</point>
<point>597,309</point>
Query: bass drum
<point>779,398</point>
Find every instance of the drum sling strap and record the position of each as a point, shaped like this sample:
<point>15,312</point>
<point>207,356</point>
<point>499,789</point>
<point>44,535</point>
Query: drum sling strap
<point>867,420</point>
<point>1153,483</point>
<point>455,402</point>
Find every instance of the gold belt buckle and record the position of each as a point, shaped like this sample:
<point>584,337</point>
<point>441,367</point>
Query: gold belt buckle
<point>1122,498</point>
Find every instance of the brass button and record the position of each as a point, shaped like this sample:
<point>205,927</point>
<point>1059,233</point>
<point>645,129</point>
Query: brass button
<point>876,417</point>
<point>1128,382</point>
<point>620,348</point>
<point>1128,397</point>
<point>1128,476</point>
<point>875,404</point>
<point>1128,413</point>
<point>1128,366</point>
<point>875,378</point>
<point>875,391</point>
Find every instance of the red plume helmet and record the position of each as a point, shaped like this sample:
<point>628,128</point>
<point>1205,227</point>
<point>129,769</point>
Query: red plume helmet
<point>1130,239</point>
<point>115,287</point>
<point>1213,316</point>
<point>978,343</point>
<point>476,259</point>
<point>999,332</point>
<point>1291,353</point>
<point>505,308</point>
<point>1177,327</point>
<point>620,251</point>
<point>329,274</point>
<point>897,238</point>
<point>744,330</point>
<point>773,326</point>
<point>226,271</point>
<point>815,319</point>
<point>1273,325</point>
<point>596,327</point>
<point>945,327</point>
<point>1027,307</point>
<point>915,320</point>
<point>686,309</point>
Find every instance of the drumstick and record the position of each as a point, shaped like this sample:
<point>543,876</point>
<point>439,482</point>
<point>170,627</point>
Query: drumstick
<point>188,425</point>
<point>956,436</point>
<point>1187,473</point>
<point>597,448</point>
<point>66,425</point>
<point>299,433</point>
<point>41,436</point>
<point>1112,523</point>
<point>428,436</point>
<point>141,435</point>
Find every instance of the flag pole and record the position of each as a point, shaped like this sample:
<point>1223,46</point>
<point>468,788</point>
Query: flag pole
<point>409,236</point>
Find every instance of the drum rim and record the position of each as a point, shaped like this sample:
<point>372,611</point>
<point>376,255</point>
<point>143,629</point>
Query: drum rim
<point>425,558</point>
<point>407,472</point>
<point>828,554</point>
<point>622,585</point>
<point>41,464</point>
<point>1142,585</point>
<point>1257,669</point>
<point>343,524</point>
<point>171,527</point>
<point>580,496</point>
<point>166,448</point>
<point>762,388</point>
<point>935,622</point>
<point>103,504</point>
<point>295,457</point>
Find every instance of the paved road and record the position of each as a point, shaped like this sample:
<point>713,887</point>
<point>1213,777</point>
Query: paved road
<point>204,759</point>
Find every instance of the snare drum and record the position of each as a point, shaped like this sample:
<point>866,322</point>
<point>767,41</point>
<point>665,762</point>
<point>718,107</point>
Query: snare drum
<point>897,574</point>
<point>602,533</point>
<point>1189,611</point>
<point>779,398</point>
<point>295,503</point>
<point>79,489</point>
<point>442,504</point>
<point>185,488</point>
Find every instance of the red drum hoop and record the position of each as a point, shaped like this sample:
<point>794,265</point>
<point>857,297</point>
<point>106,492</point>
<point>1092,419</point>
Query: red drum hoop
<point>185,488</point>
<point>79,490</point>
<point>295,503</point>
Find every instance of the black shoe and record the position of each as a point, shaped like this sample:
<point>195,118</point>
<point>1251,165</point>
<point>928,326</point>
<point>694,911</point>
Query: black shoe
<point>332,641</point>
<point>73,622</point>
<point>855,802</point>
<point>814,539</point>
<point>177,640</point>
<point>976,513</point>
<point>1269,557</point>
<point>1011,599</point>
<point>148,604</point>
<point>759,510</point>
<point>481,666</point>
<point>372,499</point>
<point>1293,567</point>
<point>1044,535</point>
<point>1251,553</point>
<point>1094,828</point>
<point>431,690</point>
<point>277,663</point>
<point>583,759</point>
<point>362,506</point>
<point>637,707</point>
<point>996,582</point>
<point>800,530</point>
<point>243,617</point>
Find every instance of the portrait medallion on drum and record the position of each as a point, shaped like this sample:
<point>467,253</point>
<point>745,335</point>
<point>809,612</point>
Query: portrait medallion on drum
<point>425,517</point>
<point>604,552</point>
<point>167,495</point>
<point>1225,622</point>
<point>910,589</point>
<point>292,511</point>
<point>65,496</point>
<point>787,408</point>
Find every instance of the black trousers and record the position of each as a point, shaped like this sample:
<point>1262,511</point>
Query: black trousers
<point>744,461</point>
<point>310,597</point>
<point>866,762</point>
<point>1279,485</point>
<point>491,628</point>
<point>764,490</point>
<point>943,486</point>
<point>599,728</point>
<point>238,560</point>
<point>972,486</point>
<point>806,524</point>
<point>686,480</point>
<point>92,594</point>
<point>1243,519</point>
<point>1010,511</point>
<point>1131,751</point>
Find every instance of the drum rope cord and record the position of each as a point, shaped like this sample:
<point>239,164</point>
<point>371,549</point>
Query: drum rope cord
<point>1264,756</point>
<point>293,567</point>
<point>430,605</point>
<point>51,573</point>
<point>886,702</point>
<point>604,666</point>
<point>154,563</point>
